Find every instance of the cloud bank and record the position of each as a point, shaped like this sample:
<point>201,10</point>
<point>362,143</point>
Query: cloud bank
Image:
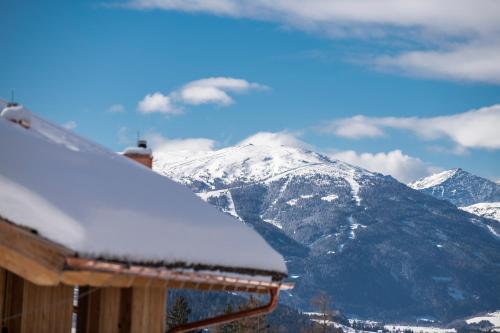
<point>403,167</point>
<point>214,90</point>
<point>477,128</point>
<point>162,144</point>
<point>275,139</point>
<point>453,39</point>
<point>469,62</point>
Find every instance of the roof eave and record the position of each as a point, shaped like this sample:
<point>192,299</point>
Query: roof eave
<point>44,262</point>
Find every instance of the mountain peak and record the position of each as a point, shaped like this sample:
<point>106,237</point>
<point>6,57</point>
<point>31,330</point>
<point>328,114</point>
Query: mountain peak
<point>248,163</point>
<point>459,187</point>
<point>435,179</point>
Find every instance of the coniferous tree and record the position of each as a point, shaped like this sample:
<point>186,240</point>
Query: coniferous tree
<point>229,327</point>
<point>254,324</point>
<point>179,314</point>
<point>322,303</point>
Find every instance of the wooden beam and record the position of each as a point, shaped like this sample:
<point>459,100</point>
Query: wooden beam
<point>148,310</point>
<point>98,310</point>
<point>30,256</point>
<point>150,275</point>
<point>96,279</point>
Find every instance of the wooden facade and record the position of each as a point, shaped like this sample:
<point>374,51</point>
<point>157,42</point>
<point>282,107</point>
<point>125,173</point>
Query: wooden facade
<point>37,296</point>
<point>26,307</point>
<point>121,310</point>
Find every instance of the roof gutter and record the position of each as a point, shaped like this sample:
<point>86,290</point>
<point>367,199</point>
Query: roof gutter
<point>241,282</point>
<point>226,318</point>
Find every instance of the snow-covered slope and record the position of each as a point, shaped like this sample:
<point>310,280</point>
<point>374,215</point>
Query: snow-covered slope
<point>433,180</point>
<point>249,163</point>
<point>492,317</point>
<point>98,203</point>
<point>459,187</point>
<point>489,210</point>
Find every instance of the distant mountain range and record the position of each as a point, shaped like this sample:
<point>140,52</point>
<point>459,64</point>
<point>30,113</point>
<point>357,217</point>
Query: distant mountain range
<point>381,249</point>
<point>459,187</point>
<point>469,192</point>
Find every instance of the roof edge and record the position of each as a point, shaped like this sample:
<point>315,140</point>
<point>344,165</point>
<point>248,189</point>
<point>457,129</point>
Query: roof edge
<point>80,271</point>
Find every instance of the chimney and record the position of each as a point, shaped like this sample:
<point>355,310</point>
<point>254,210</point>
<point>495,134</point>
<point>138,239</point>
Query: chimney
<point>17,114</point>
<point>141,154</point>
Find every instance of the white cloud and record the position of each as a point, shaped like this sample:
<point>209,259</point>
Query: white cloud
<point>214,90</point>
<point>354,128</point>
<point>70,125</point>
<point>445,16</point>
<point>162,144</point>
<point>432,24</point>
<point>469,62</point>
<point>157,102</point>
<point>116,108</point>
<point>472,129</point>
<point>403,167</point>
<point>124,137</point>
<point>277,139</point>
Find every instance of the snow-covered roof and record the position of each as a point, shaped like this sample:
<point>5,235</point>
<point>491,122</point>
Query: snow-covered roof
<point>137,151</point>
<point>15,113</point>
<point>101,204</point>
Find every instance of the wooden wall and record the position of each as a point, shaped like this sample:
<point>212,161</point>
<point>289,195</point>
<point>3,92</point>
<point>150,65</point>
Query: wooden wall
<point>122,310</point>
<point>27,307</point>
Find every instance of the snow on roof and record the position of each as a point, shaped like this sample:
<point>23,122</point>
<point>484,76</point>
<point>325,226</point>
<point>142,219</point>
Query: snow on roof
<point>101,204</point>
<point>137,151</point>
<point>16,113</point>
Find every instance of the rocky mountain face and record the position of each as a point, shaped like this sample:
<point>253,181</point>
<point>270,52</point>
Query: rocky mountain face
<point>469,192</point>
<point>381,249</point>
<point>459,187</point>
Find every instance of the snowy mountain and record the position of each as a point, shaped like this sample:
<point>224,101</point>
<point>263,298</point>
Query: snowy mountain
<point>378,247</point>
<point>459,187</point>
<point>489,210</point>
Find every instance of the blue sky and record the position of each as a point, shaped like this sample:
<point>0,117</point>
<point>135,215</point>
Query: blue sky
<point>273,69</point>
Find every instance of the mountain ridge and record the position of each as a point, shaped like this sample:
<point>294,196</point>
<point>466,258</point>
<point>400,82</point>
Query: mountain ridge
<point>459,187</point>
<point>379,248</point>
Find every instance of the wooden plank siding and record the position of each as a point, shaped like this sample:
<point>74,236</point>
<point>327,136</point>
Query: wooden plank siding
<point>12,302</point>
<point>3,273</point>
<point>122,310</point>
<point>148,310</point>
<point>47,309</point>
<point>30,308</point>
<point>99,310</point>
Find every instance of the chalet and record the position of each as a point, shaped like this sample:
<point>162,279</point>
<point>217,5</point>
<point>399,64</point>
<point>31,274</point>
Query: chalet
<point>93,241</point>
